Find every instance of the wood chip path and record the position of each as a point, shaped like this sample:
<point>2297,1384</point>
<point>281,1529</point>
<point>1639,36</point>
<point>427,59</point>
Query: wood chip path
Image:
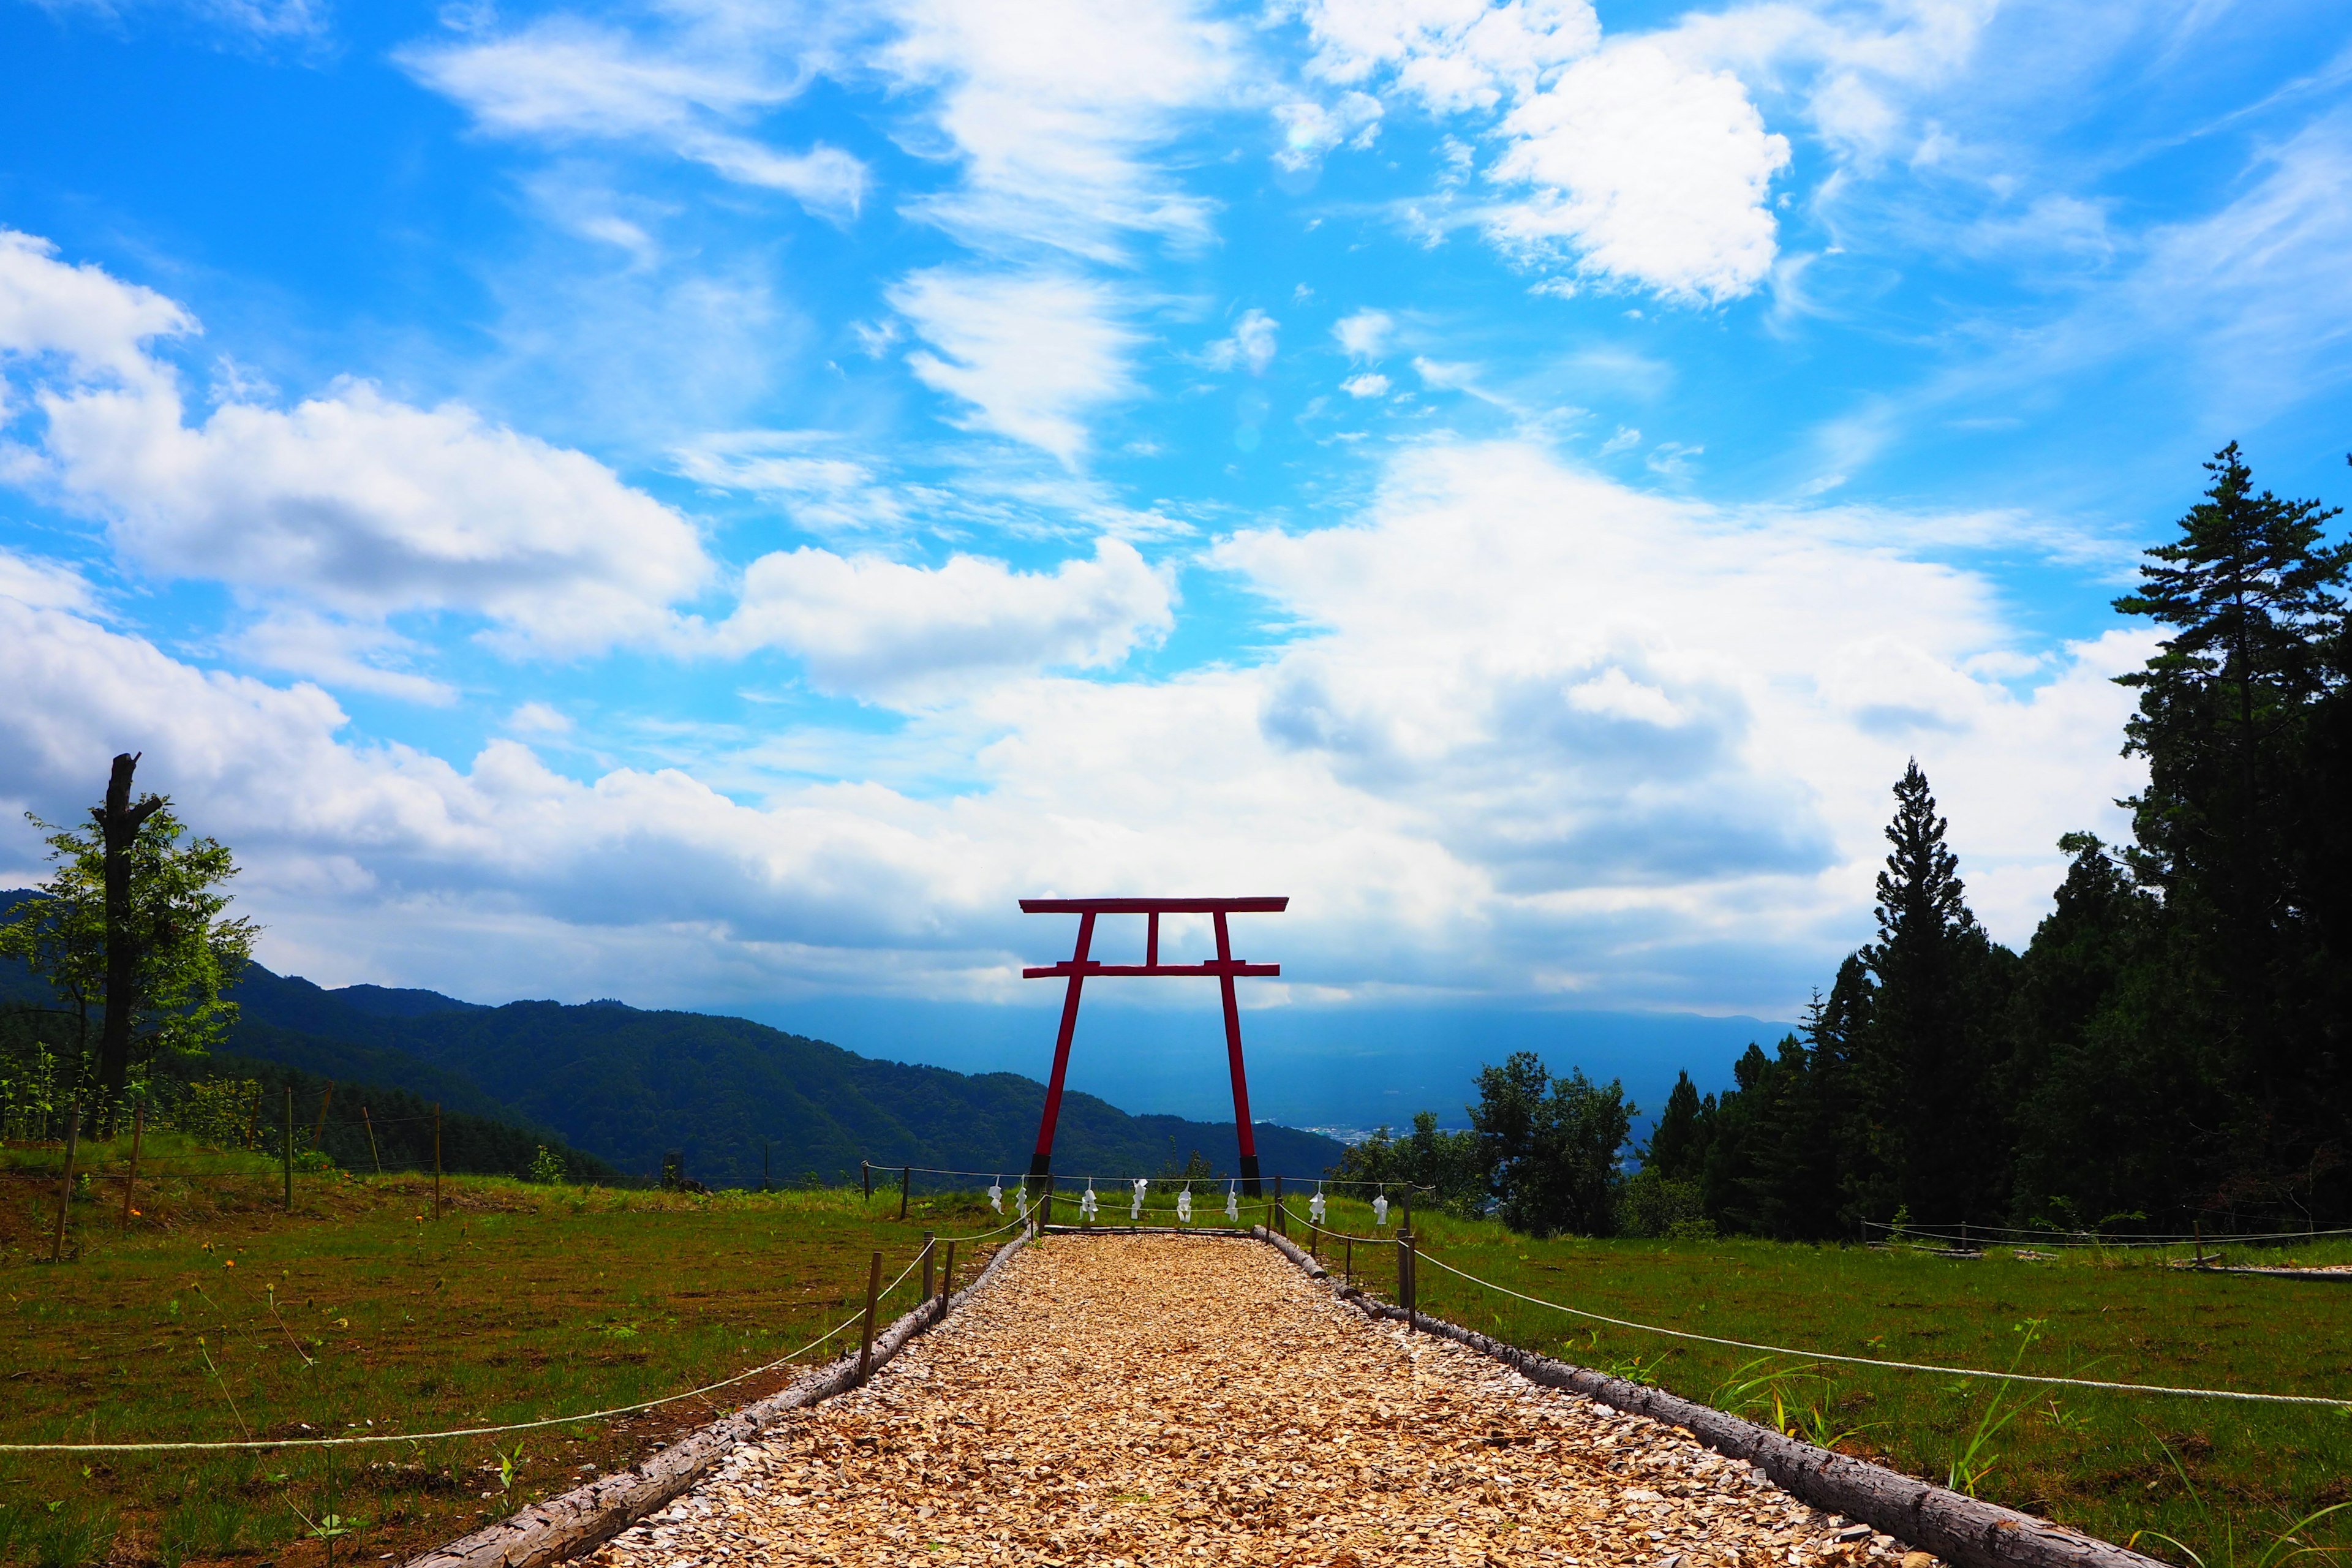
<point>1176,1400</point>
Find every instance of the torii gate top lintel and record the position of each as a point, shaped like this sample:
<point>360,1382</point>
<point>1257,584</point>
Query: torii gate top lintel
<point>1078,966</point>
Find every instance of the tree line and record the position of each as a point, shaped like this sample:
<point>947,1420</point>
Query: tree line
<point>2169,1047</point>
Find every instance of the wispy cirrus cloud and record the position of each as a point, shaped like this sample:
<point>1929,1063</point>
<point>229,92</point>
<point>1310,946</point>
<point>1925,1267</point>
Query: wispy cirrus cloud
<point>692,84</point>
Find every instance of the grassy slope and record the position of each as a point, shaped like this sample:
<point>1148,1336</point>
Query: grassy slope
<point>530,1301</point>
<point>2215,1475</point>
<point>524,1302</point>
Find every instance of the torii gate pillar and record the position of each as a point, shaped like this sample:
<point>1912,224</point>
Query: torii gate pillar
<point>1225,966</point>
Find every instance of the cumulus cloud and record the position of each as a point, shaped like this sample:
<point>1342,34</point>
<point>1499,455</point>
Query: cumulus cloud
<point>1364,334</point>
<point>1451,55</point>
<point>46,585</point>
<point>1588,691</point>
<point>1311,130</point>
<point>1637,162</point>
<point>95,325</point>
<point>1553,736</point>
<point>350,501</point>
<point>1031,354</point>
<point>872,627</point>
<point>1368,385</point>
<point>1644,172</point>
<point>1250,345</point>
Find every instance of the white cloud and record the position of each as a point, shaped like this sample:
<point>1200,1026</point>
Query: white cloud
<point>1032,354</point>
<point>357,656</point>
<point>1311,130</point>
<point>1551,735</point>
<point>96,325</point>
<point>1055,109</point>
<point>43,584</point>
<point>1614,702</point>
<point>1366,386</point>
<point>688,89</point>
<point>349,502</point>
<point>1364,334</point>
<point>538,719</point>
<point>873,628</point>
<point>371,507</point>
<point>1641,166</point>
<point>822,490</point>
<point>1449,55</point>
<point>1250,345</point>
<point>1646,173</point>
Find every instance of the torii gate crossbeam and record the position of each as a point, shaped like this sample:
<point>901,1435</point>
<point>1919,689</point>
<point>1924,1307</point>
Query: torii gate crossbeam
<point>1078,966</point>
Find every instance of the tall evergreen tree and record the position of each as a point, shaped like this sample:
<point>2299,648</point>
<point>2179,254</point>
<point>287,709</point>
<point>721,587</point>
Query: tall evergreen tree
<point>2237,829</point>
<point>1933,1131</point>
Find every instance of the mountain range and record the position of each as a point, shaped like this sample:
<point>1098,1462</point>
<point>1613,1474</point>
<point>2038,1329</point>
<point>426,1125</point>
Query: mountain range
<point>737,1099</point>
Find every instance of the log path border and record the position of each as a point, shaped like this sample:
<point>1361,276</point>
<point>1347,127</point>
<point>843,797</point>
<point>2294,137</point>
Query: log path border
<point>1962,1531</point>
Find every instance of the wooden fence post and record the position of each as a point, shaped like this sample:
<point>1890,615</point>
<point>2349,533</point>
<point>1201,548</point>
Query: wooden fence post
<point>866,1169</point>
<point>64,1188</point>
<point>1045,1206</point>
<point>906,1187</point>
<point>130,1182</point>
<point>1407,1284</point>
<point>288,1156</point>
<point>866,1334</point>
<point>326,1097</point>
<point>947,1280</point>
<point>436,1158</point>
<point>930,1240</point>
<point>1281,1219</point>
<point>369,1123</point>
<point>1347,1269</point>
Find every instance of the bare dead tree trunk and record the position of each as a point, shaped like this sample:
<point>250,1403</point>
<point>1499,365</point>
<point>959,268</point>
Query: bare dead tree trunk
<point>119,822</point>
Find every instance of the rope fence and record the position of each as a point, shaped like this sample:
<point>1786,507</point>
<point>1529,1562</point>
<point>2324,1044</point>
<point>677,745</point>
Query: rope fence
<point>1420,1256</point>
<point>922,1254</point>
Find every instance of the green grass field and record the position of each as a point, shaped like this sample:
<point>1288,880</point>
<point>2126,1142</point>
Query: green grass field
<point>216,1315</point>
<point>2226,1479</point>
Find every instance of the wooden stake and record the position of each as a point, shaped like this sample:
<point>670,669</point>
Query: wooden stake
<point>866,1334</point>
<point>1406,1283</point>
<point>1347,1269</point>
<point>1281,1219</point>
<point>130,1182</point>
<point>318,1133</point>
<point>436,1158</point>
<point>906,1187</point>
<point>290,1149</point>
<point>866,1166</point>
<point>64,1188</point>
<point>947,1280</point>
<point>369,1123</point>
<point>930,1241</point>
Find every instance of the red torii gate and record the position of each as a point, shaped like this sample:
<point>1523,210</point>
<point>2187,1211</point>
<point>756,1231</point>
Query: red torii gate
<point>1225,966</point>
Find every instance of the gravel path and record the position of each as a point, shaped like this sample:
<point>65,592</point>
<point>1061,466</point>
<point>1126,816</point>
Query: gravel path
<point>1173,1399</point>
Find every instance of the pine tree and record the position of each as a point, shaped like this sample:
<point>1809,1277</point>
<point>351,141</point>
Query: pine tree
<point>1924,1068</point>
<point>2237,829</point>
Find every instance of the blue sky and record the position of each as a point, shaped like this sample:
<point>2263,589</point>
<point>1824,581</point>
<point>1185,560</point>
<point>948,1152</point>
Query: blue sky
<point>708,503</point>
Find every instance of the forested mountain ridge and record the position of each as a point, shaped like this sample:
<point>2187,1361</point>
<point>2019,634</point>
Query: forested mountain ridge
<point>628,1086</point>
